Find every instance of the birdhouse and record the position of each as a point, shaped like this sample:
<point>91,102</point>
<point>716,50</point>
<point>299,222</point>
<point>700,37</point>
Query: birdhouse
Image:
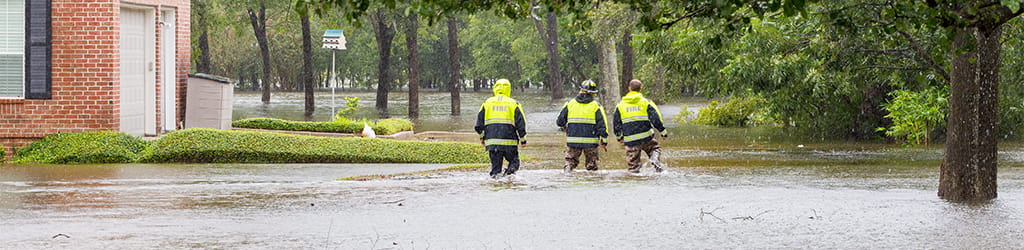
<point>334,39</point>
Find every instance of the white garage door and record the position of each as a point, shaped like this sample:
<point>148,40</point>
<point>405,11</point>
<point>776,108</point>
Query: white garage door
<point>138,86</point>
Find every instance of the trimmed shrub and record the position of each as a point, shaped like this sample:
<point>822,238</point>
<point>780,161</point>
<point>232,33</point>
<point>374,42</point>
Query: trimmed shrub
<point>82,148</point>
<point>382,127</point>
<point>199,145</point>
<point>392,125</point>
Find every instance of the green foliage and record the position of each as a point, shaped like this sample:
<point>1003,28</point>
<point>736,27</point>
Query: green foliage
<point>351,105</point>
<point>3,155</point>
<point>382,127</point>
<point>392,125</point>
<point>279,124</point>
<point>200,145</point>
<point>82,148</point>
<point>916,114</point>
<point>735,112</point>
<point>684,115</point>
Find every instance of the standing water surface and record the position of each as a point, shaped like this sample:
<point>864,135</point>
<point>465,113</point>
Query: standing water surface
<point>727,188</point>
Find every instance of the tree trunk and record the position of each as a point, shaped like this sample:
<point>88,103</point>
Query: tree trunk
<point>609,73</point>
<point>202,10</point>
<point>627,61</point>
<point>307,65</point>
<point>455,81</point>
<point>259,28</point>
<point>968,167</point>
<point>385,33</point>
<point>656,86</point>
<point>414,66</point>
<point>550,38</point>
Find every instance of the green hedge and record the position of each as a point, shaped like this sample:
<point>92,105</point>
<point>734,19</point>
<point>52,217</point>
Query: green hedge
<point>200,145</point>
<point>82,148</point>
<point>382,127</point>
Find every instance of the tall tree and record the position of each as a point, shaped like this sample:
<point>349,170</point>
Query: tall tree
<point>968,170</point>
<point>384,29</point>
<point>258,19</point>
<point>549,35</point>
<point>455,79</point>
<point>627,60</point>
<point>201,11</point>
<point>307,63</point>
<point>411,27</point>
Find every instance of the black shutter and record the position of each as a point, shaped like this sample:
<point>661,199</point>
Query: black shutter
<point>37,50</point>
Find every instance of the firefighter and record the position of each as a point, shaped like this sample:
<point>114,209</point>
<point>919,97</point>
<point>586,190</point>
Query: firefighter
<point>502,128</point>
<point>585,126</point>
<point>635,119</point>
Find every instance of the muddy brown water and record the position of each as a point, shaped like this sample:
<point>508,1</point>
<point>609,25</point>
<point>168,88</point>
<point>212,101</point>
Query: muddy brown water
<point>726,188</point>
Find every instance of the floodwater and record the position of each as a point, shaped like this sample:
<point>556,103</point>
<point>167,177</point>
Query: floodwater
<point>726,188</point>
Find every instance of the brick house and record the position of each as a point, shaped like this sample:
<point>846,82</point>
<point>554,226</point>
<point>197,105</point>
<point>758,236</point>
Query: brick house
<point>89,65</point>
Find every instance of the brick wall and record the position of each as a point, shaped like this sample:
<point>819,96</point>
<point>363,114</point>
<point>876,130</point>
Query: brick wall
<point>85,78</point>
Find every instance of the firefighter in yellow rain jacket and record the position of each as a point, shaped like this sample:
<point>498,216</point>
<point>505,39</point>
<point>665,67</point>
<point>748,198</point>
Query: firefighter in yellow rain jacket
<point>635,119</point>
<point>585,126</point>
<point>502,128</point>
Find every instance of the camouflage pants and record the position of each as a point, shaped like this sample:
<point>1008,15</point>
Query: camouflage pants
<point>653,151</point>
<point>572,157</point>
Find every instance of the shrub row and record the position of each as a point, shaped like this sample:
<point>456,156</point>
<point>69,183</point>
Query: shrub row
<point>199,145</point>
<point>382,127</point>
<point>219,146</point>
<point>82,148</point>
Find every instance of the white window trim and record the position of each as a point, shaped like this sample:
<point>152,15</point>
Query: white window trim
<point>23,73</point>
<point>23,66</point>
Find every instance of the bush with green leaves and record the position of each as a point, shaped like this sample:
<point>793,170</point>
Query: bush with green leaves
<point>735,112</point>
<point>200,145</point>
<point>82,148</point>
<point>382,127</point>
<point>3,156</point>
<point>916,114</point>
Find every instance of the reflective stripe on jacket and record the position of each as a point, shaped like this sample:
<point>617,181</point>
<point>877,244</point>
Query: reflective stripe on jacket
<point>584,122</point>
<point>500,121</point>
<point>634,119</point>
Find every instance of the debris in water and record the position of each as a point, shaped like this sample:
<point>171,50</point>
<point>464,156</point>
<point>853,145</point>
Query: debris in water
<point>310,204</point>
<point>59,235</point>
<point>815,217</point>
<point>400,204</point>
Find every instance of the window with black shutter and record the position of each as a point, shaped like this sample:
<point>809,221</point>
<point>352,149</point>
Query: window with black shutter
<point>37,49</point>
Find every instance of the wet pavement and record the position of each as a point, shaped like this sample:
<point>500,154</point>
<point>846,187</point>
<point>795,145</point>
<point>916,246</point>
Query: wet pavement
<point>726,188</point>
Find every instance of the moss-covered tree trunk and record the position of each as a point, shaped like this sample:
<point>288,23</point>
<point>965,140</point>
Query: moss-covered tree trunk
<point>609,74</point>
<point>627,61</point>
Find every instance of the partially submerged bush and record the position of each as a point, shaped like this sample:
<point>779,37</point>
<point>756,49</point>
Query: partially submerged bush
<point>382,127</point>
<point>735,112</point>
<point>392,125</point>
<point>200,145</point>
<point>82,148</point>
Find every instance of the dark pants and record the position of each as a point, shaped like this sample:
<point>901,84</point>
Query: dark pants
<point>512,156</point>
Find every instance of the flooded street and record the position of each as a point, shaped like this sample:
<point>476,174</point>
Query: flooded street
<point>726,188</point>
